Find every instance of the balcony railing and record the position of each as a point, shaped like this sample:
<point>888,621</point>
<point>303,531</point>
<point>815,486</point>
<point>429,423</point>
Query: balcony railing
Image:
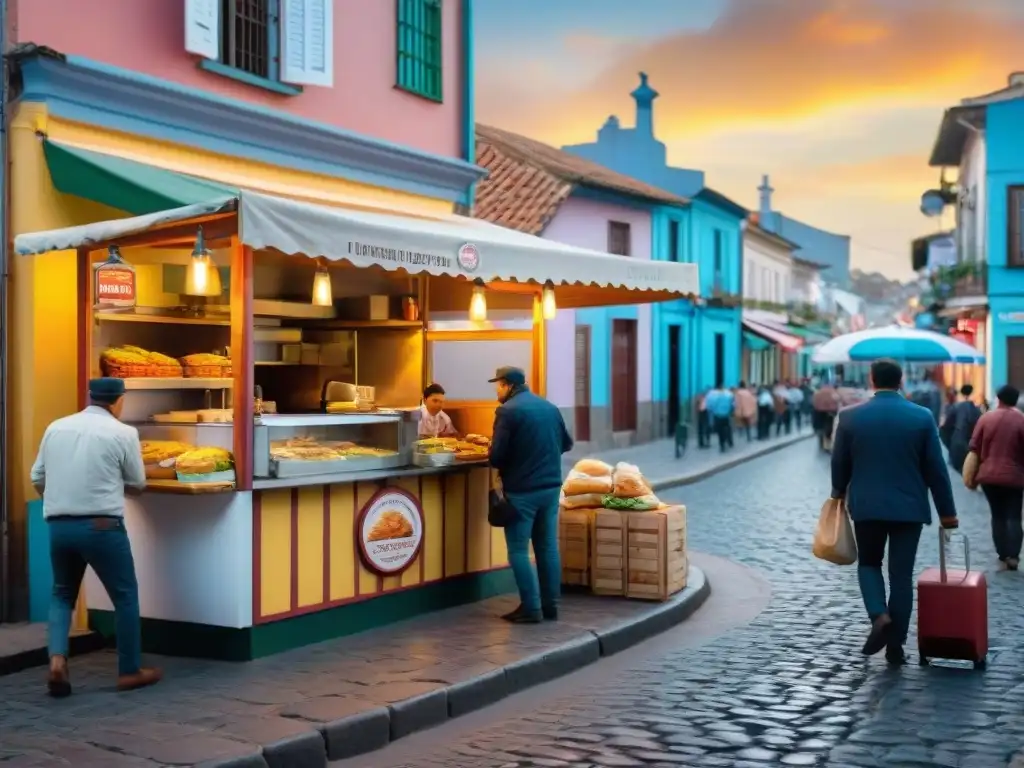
<point>960,281</point>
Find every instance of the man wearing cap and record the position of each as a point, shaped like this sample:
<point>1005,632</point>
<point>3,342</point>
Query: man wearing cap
<point>87,462</point>
<point>528,442</point>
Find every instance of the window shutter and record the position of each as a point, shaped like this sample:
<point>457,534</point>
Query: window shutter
<point>202,28</point>
<point>307,42</point>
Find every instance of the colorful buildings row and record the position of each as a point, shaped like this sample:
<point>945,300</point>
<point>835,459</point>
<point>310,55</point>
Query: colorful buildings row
<point>977,270</point>
<point>630,374</point>
<point>143,106</point>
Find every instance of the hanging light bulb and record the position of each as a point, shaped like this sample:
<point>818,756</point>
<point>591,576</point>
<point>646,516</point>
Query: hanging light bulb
<point>478,302</point>
<point>202,277</point>
<point>323,292</point>
<point>547,301</point>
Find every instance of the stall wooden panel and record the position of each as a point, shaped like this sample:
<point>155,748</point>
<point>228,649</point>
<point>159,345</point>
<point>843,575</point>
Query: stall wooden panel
<point>306,556</point>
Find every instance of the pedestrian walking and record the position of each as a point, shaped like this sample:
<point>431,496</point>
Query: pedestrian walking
<point>87,463</point>
<point>746,408</point>
<point>998,441</point>
<point>886,459</point>
<point>703,421</point>
<point>721,404</point>
<point>780,395</point>
<point>765,413</point>
<point>826,404</point>
<point>527,444</point>
<point>961,419</point>
<point>795,399</point>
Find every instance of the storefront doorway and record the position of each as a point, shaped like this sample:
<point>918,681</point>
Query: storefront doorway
<point>623,375</point>
<point>582,398</point>
<point>675,354</point>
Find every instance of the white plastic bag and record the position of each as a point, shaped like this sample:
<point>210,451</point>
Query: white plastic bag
<point>833,538</point>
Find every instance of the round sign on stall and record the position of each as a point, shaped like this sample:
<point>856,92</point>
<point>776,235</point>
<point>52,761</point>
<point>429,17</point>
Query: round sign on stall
<point>469,257</point>
<point>390,530</point>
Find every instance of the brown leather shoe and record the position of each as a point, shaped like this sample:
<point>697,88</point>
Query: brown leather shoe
<point>58,683</point>
<point>142,678</point>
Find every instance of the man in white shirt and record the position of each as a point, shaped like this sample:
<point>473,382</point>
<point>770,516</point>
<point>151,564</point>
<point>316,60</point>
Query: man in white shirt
<point>87,462</point>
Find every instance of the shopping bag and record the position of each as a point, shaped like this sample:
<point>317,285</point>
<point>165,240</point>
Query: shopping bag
<point>833,538</point>
<point>970,472</point>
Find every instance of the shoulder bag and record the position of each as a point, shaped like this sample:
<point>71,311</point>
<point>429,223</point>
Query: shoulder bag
<point>501,513</point>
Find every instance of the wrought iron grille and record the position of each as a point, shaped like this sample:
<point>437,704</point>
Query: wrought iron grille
<point>246,35</point>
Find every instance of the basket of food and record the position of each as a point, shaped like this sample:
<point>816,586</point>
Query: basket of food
<point>435,452</point>
<point>206,366</point>
<point>130,362</point>
<point>472,448</point>
<point>121,363</point>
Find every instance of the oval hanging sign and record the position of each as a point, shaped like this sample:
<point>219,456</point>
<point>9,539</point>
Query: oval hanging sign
<point>390,531</point>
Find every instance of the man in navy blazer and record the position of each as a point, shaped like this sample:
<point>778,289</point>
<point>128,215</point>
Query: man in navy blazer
<point>886,458</point>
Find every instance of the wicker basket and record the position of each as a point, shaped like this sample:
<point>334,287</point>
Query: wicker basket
<point>167,371</point>
<point>119,371</point>
<point>207,371</point>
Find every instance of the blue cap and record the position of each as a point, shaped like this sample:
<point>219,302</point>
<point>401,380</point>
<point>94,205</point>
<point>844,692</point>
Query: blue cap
<point>106,389</point>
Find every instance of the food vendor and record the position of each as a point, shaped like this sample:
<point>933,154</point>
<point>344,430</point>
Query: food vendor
<point>434,422</point>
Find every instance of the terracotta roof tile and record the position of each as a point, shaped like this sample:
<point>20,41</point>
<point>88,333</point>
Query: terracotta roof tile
<point>527,180</point>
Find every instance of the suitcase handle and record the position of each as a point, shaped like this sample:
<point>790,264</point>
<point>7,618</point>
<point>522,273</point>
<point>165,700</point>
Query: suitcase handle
<point>945,535</point>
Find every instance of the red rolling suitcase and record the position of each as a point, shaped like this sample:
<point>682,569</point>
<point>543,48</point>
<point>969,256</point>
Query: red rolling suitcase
<point>952,611</point>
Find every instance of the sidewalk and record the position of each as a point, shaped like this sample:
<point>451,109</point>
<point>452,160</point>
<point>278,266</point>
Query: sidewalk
<point>658,462</point>
<point>24,645</point>
<point>324,702</point>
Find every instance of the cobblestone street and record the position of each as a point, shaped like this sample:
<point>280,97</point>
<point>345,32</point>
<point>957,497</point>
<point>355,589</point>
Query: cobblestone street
<point>790,687</point>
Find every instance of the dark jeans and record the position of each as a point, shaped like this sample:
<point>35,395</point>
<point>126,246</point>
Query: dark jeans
<point>765,415</point>
<point>538,522</point>
<point>723,428</point>
<point>903,539</point>
<point>101,543</point>
<point>783,420</point>
<point>1005,503</point>
<point>798,415</point>
<point>703,429</point>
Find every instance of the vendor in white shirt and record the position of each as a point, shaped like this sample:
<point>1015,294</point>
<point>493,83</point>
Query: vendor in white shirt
<point>433,421</point>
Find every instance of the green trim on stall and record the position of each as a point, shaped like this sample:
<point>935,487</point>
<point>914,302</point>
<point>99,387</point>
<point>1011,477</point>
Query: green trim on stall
<point>177,638</point>
<point>754,342</point>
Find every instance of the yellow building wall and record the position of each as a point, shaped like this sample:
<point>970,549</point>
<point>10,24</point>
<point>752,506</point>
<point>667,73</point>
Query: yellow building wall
<point>42,320</point>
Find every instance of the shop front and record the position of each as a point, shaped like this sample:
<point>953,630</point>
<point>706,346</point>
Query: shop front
<point>274,351</point>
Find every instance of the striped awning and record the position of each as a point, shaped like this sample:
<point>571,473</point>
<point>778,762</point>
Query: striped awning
<point>784,340</point>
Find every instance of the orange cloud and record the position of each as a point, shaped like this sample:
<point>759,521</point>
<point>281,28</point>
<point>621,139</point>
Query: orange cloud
<point>775,60</point>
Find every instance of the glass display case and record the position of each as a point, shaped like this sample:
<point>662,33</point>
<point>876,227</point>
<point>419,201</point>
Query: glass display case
<point>323,444</point>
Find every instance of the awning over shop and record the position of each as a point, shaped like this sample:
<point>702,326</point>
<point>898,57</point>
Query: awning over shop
<point>449,245</point>
<point>784,340</point>
<point>135,188</point>
<point>755,343</point>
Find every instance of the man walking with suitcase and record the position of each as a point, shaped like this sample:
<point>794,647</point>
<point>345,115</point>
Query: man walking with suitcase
<point>886,458</point>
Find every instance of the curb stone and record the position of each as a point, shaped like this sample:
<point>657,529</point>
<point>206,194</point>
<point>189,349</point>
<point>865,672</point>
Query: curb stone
<point>79,644</point>
<point>663,483</point>
<point>374,728</point>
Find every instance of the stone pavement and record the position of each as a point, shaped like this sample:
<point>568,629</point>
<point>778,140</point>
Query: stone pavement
<point>788,688</point>
<point>334,699</point>
<point>24,645</point>
<point>658,462</point>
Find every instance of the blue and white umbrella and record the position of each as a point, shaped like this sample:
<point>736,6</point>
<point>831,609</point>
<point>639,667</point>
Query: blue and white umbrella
<point>906,345</point>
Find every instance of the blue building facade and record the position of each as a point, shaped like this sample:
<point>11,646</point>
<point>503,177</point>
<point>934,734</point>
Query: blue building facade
<point>695,344</point>
<point>1005,200</point>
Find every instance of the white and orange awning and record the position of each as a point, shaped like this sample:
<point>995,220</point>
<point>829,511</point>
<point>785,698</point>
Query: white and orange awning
<point>784,340</point>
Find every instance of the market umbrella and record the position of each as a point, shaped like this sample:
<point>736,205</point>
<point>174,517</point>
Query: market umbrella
<point>907,345</point>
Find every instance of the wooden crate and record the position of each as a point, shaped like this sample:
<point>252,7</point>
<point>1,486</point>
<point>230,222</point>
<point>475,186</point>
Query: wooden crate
<point>574,526</point>
<point>608,552</point>
<point>656,561</point>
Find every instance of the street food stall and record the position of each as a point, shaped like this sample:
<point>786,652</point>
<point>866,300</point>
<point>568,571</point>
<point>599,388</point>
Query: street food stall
<point>274,351</point>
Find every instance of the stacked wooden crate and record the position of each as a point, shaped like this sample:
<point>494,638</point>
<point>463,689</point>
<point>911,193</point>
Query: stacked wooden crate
<point>574,546</point>
<point>608,561</point>
<point>639,554</point>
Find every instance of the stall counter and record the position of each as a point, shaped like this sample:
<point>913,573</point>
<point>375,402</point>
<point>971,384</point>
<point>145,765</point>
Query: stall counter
<point>245,574</point>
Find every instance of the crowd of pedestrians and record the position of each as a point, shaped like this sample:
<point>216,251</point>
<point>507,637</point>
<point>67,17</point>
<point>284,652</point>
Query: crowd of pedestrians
<point>755,410</point>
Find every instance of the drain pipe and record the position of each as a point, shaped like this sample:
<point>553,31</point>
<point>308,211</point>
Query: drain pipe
<point>5,197</point>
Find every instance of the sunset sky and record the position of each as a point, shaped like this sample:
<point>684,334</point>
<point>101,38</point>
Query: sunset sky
<point>838,100</point>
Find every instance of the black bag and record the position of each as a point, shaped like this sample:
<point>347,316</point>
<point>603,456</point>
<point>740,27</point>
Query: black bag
<point>500,513</point>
